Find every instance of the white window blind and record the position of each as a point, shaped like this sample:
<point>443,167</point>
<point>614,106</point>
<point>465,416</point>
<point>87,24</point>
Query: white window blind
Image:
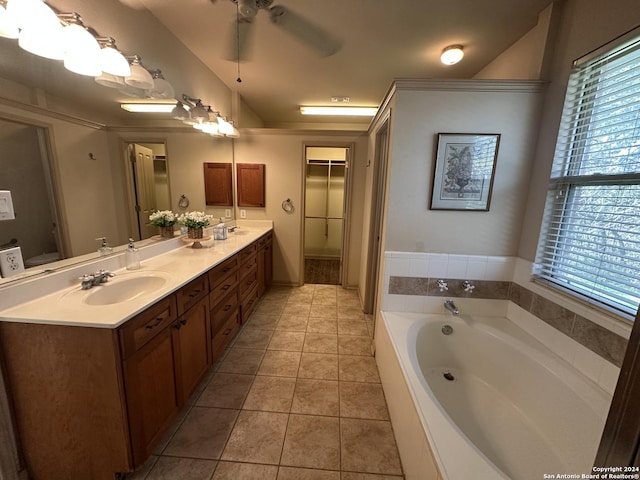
<point>590,240</point>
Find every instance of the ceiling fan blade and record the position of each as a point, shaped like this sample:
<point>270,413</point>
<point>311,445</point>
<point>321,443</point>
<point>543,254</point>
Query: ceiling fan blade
<point>238,47</point>
<point>312,35</point>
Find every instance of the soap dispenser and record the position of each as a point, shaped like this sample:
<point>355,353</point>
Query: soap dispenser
<point>104,249</point>
<point>132,256</point>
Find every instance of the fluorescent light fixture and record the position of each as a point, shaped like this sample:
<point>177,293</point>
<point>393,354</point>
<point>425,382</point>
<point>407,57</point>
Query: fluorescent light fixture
<point>341,111</point>
<point>452,55</point>
<point>148,107</point>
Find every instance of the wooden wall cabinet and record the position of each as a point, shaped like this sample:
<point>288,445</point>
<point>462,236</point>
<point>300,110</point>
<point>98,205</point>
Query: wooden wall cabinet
<point>218,184</point>
<point>251,191</point>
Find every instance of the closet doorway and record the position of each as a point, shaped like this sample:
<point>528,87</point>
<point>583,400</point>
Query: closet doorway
<point>325,222</point>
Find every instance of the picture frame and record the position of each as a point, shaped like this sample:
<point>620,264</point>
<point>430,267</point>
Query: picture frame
<point>464,170</point>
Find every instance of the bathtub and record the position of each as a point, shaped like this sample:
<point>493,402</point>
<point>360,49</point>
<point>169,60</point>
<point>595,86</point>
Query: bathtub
<point>490,401</point>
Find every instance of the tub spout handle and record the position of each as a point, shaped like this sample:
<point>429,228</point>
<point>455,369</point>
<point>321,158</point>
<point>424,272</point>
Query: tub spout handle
<point>442,285</point>
<point>449,305</point>
<point>468,287</point>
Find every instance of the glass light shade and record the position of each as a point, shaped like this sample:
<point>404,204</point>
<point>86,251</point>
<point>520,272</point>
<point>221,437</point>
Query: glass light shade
<point>32,14</point>
<point>199,112</point>
<point>210,127</point>
<point>8,27</point>
<point>81,51</point>
<point>113,62</point>
<point>452,55</point>
<point>247,8</point>
<point>225,127</point>
<point>139,78</point>
<point>44,42</point>
<point>161,89</point>
<point>111,81</point>
<point>179,112</point>
<point>235,133</point>
<point>134,92</point>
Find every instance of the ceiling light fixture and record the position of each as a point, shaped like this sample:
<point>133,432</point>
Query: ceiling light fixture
<point>340,111</point>
<point>149,107</point>
<point>452,55</point>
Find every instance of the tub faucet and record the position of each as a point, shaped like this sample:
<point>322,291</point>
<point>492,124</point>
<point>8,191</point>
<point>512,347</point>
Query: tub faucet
<point>449,305</point>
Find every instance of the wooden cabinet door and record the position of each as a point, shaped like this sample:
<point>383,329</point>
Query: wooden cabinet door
<point>250,184</point>
<point>218,183</point>
<point>193,353</point>
<point>152,400</point>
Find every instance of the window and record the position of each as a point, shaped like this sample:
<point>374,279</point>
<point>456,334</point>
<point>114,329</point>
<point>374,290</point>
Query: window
<point>590,240</point>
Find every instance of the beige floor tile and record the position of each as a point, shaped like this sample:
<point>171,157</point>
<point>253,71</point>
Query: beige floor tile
<point>363,400</point>
<point>202,434</point>
<point>257,437</point>
<point>143,470</point>
<point>277,292</point>
<point>321,366</point>
<point>293,323</point>
<point>312,442</point>
<point>323,311</point>
<point>354,368</point>
<point>324,298</point>
<point>173,468</point>
<point>272,394</point>
<point>225,390</point>
<point>322,325</point>
<point>367,476</point>
<point>252,337</point>
<point>292,473</point>
<point>301,297</point>
<point>354,345</point>
<point>280,364</point>
<point>368,446</point>
<point>320,288</point>
<point>284,340</point>
<point>316,397</point>
<point>241,360</point>
<point>297,309</point>
<point>245,471</point>
<point>166,438</point>
<point>261,320</point>
<point>353,327</point>
<point>349,312</point>
<point>350,300</point>
<point>270,308</point>
<point>320,343</point>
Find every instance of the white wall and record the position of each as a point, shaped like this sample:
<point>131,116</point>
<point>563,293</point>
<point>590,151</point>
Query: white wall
<point>283,154</point>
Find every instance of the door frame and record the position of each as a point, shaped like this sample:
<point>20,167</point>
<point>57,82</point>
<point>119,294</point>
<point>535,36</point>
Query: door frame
<point>346,206</point>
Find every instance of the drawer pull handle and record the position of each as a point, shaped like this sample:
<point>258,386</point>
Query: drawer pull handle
<point>225,270</point>
<point>177,326</point>
<point>183,322</point>
<point>227,331</point>
<point>227,308</point>
<point>226,287</point>
<point>158,322</point>
<point>194,294</point>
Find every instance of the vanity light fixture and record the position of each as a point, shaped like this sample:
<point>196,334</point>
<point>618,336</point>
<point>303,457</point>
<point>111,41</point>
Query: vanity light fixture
<point>340,111</point>
<point>140,77</point>
<point>161,88</point>
<point>81,49</point>
<point>112,61</point>
<point>149,107</point>
<point>179,112</point>
<point>452,54</point>
<point>40,28</point>
<point>8,26</point>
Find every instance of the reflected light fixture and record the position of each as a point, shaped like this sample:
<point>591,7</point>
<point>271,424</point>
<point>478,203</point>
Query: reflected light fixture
<point>452,54</point>
<point>340,111</point>
<point>140,77</point>
<point>179,112</point>
<point>8,26</point>
<point>161,88</point>
<point>109,80</point>
<point>149,107</point>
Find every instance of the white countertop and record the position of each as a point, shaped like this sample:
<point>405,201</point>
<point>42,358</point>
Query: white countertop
<point>178,267</point>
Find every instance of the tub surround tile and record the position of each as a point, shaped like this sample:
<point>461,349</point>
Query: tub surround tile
<point>312,442</point>
<point>368,446</point>
<point>521,296</point>
<point>225,390</point>
<point>173,468</point>
<point>558,317</point>
<point>319,366</point>
<point>271,394</point>
<point>257,437</point>
<point>408,286</point>
<point>316,397</point>
<point>598,339</point>
<point>202,434</point>
<point>293,473</point>
<point>245,471</point>
<point>428,287</point>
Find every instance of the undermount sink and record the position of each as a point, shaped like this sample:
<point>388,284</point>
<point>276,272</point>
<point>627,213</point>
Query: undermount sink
<point>121,288</point>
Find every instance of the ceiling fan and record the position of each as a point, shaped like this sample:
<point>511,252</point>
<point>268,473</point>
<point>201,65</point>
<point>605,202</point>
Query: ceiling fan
<point>304,30</point>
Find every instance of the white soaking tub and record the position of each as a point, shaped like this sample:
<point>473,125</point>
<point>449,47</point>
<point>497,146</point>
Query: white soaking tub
<point>494,402</point>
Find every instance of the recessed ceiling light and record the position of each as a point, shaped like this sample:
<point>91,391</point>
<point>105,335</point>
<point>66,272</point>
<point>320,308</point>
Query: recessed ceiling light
<point>452,55</point>
<point>341,111</point>
<point>148,107</point>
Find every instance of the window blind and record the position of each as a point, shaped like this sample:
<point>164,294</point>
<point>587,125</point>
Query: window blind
<point>590,241</point>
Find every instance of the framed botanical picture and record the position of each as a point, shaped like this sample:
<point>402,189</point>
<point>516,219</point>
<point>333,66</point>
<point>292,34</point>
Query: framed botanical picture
<point>464,170</point>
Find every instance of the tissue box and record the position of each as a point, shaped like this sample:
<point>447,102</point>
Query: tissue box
<point>220,232</point>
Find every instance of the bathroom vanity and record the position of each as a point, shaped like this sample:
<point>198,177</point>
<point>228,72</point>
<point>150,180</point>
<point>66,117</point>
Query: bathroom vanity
<point>96,377</point>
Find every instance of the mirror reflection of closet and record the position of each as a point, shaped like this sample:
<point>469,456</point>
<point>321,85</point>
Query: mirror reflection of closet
<point>325,181</point>
<point>148,186</point>
<point>25,171</point>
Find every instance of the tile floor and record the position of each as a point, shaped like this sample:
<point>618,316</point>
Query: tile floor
<point>296,397</point>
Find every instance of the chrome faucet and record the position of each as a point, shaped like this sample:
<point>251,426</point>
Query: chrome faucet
<point>442,285</point>
<point>449,305</point>
<point>468,286</point>
<point>91,280</point>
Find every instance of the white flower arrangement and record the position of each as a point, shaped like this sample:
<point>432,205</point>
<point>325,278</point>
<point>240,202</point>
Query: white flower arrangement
<point>194,219</point>
<point>163,218</point>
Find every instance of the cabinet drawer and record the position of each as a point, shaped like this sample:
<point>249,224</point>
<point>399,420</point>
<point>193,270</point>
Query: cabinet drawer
<point>192,292</point>
<point>248,281</point>
<point>225,334</point>
<point>265,241</point>
<point>225,286</point>
<point>247,252</point>
<point>248,304</point>
<point>219,273</point>
<point>247,267</point>
<point>220,313</point>
<point>142,328</point>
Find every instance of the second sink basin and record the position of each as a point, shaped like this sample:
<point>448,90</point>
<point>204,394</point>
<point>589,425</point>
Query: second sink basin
<point>125,288</point>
